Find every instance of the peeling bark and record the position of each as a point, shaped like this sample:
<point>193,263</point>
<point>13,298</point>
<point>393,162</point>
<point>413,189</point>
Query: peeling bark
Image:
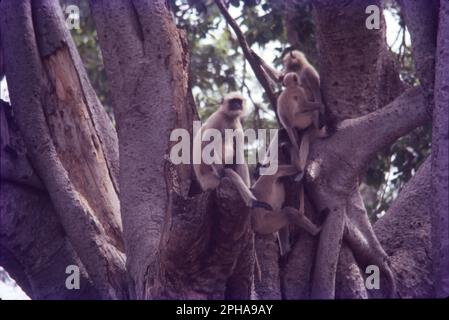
<point>34,248</point>
<point>57,119</point>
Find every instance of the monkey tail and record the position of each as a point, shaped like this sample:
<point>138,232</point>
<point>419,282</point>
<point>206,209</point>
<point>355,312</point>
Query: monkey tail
<point>257,267</point>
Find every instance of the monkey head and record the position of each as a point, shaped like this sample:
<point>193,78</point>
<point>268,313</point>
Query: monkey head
<point>290,80</point>
<point>294,61</point>
<point>233,104</point>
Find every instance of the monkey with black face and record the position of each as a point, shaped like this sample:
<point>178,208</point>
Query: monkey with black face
<point>297,112</point>
<point>228,116</point>
<point>295,61</point>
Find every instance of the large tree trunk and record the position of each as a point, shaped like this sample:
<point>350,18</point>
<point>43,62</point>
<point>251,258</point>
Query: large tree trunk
<point>66,198</point>
<point>440,158</point>
<point>177,246</point>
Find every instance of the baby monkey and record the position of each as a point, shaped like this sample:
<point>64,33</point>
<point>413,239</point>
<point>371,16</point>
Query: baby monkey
<point>228,116</point>
<point>297,112</point>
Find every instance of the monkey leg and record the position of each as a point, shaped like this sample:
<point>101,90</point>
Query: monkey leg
<point>285,170</point>
<point>293,136</point>
<point>208,181</point>
<point>295,216</point>
<point>303,154</point>
<point>246,194</point>
<point>268,222</point>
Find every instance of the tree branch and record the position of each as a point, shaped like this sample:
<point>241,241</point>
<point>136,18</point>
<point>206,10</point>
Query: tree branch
<point>255,65</point>
<point>56,118</point>
<point>34,247</point>
<point>404,232</point>
<point>362,137</point>
<point>421,18</point>
<point>440,158</point>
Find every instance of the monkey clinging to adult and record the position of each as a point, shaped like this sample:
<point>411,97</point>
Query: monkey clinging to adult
<point>295,61</point>
<point>295,111</point>
<point>228,116</point>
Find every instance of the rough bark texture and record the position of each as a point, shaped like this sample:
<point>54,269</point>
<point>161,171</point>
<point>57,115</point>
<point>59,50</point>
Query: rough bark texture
<point>33,245</point>
<point>61,203</point>
<point>65,131</point>
<point>357,72</point>
<point>421,18</point>
<point>358,77</point>
<point>148,73</point>
<point>440,158</point>
<point>404,232</point>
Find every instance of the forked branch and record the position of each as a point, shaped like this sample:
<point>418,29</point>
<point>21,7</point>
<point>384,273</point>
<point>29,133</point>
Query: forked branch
<point>253,61</point>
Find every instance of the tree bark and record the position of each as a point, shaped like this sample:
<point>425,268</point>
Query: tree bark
<point>178,244</point>
<point>67,134</point>
<point>404,232</point>
<point>440,158</point>
<point>33,245</point>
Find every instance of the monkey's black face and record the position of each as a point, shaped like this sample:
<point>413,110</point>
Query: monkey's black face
<point>235,104</point>
<point>294,66</point>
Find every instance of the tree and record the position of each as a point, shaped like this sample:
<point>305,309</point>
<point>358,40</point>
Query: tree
<point>77,190</point>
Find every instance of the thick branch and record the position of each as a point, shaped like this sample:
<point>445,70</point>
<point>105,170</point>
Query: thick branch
<point>421,18</point>
<point>440,159</point>
<point>404,232</point>
<point>357,71</point>
<point>255,65</point>
<point>34,247</point>
<point>56,118</point>
<point>149,82</point>
<point>361,138</point>
<point>328,252</point>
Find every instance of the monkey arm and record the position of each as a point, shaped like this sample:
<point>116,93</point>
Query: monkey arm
<point>311,106</point>
<point>311,79</point>
<point>246,194</point>
<point>273,74</point>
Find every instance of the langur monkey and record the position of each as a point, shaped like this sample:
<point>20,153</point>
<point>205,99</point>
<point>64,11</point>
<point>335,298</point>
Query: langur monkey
<point>297,112</point>
<point>270,189</point>
<point>209,175</point>
<point>295,61</point>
